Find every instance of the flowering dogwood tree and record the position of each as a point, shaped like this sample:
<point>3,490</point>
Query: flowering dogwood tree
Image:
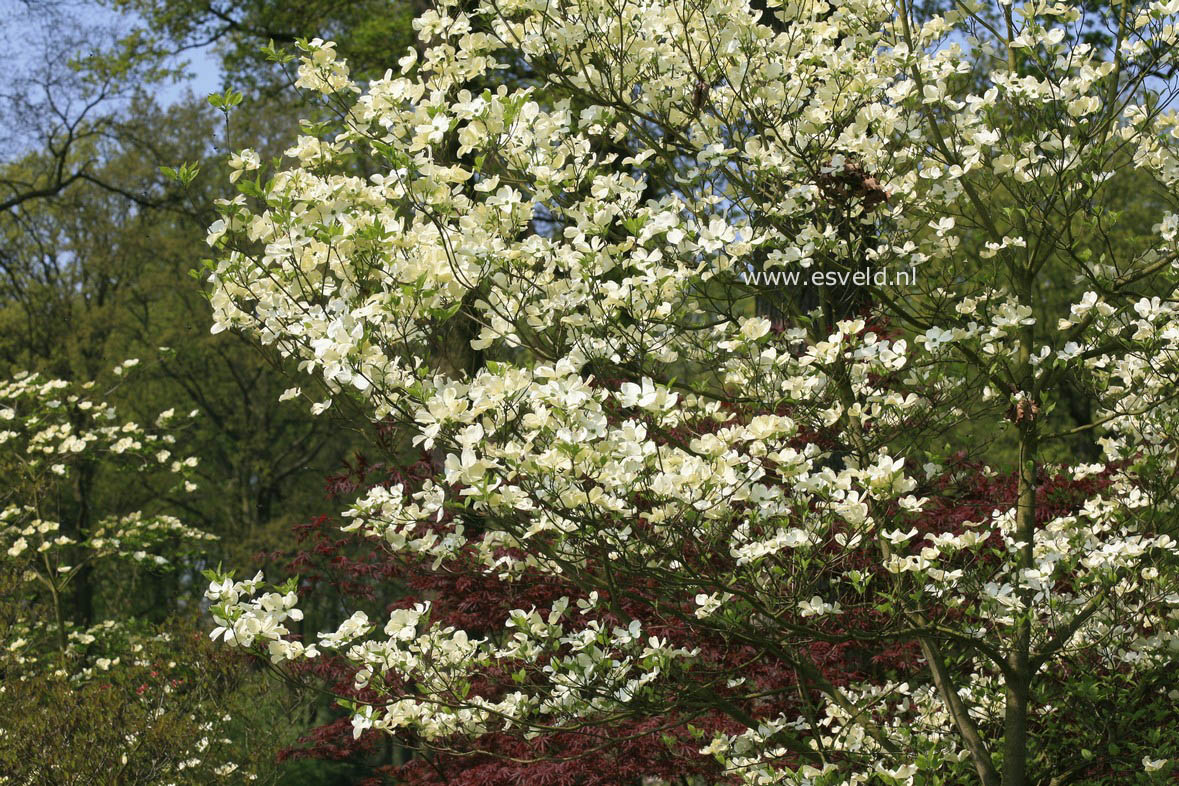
<point>613,413</point>
<point>85,691</point>
<point>54,434</point>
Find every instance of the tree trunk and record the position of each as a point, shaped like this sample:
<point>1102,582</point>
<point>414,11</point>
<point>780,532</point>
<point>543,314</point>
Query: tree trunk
<point>1019,678</point>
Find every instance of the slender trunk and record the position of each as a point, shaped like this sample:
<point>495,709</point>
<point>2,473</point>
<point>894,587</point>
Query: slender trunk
<point>1019,680</point>
<point>83,592</point>
<point>1015,731</point>
<point>979,753</point>
<point>1015,737</point>
<point>58,616</point>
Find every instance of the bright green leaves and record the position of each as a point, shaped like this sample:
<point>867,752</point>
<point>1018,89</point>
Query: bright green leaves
<point>183,174</point>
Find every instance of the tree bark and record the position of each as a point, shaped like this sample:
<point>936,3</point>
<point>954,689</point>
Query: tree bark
<point>1019,678</point>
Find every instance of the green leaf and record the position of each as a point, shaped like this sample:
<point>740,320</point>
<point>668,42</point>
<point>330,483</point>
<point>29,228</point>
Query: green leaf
<point>184,174</point>
<point>275,54</point>
<point>223,101</point>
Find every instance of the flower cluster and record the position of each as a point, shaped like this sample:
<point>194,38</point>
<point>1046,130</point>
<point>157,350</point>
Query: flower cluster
<point>56,433</point>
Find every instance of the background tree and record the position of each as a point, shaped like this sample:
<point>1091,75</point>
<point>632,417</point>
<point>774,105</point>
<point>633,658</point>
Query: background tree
<point>95,267</point>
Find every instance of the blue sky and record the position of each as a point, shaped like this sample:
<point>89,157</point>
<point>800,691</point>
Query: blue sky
<point>25,37</point>
<point>206,74</point>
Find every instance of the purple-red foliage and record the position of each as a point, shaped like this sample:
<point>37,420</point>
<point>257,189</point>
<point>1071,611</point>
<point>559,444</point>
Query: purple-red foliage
<point>464,596</point>
<point>623,753</point>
